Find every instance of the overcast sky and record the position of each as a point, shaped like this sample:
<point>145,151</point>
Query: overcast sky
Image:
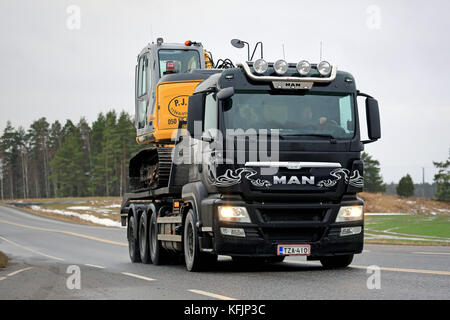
<point>398,51</point>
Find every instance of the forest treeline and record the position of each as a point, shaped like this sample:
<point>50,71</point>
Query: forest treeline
<point>73,159</point>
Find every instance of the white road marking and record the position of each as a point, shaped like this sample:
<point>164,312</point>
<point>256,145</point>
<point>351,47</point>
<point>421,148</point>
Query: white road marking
<point>2,278</point>
<point>212,295</point>
<point>366,250</point>
<point>75,234</point>
<point>137,276</point>
<point>32,250</point>
<point>442,253</point>
<point>94,266</point>
<point>437,272</point>
<point>19,271</point>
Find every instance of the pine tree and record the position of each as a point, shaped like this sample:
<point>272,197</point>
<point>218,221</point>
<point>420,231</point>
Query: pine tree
<point>111,154</point>
<point>442,180</point>
<point>97,186</point>
<point>67,169</point>
<point>405,186</point>
<point>39,156</point>
<point>373,181</point>
<point>10,157</point>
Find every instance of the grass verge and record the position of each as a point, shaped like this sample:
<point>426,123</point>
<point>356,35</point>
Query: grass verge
<point>417,229</point>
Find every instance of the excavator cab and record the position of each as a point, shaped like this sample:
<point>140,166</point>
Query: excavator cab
<point>161,100</point>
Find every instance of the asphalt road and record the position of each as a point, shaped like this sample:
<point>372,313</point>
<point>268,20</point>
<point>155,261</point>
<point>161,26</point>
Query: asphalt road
<point>41,250</point>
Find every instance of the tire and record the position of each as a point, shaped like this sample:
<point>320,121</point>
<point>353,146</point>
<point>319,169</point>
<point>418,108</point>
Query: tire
<point>158,254</point>
<point>336,261</point>
<point>194,259</point>
<point>133,242</point>
<point>143,239</point>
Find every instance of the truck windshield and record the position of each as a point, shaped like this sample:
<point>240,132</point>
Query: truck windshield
<point>178,61</point>
<point>324,114</point>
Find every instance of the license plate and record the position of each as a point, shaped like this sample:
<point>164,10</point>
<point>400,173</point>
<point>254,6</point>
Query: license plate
<point>294,250</point>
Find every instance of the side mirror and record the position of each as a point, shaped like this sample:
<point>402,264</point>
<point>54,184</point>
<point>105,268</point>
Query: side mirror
<point>195,113</point>
<point>373,119</point>
<point>225,93</point>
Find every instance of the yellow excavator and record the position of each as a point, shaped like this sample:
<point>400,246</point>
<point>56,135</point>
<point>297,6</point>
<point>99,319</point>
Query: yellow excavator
<point>166,75</point>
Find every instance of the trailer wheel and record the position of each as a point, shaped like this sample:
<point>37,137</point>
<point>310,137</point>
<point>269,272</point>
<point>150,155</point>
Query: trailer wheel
<point>143,239</point>
<point>133,241</point>
<point>157,253</point>
<point>336,261</point>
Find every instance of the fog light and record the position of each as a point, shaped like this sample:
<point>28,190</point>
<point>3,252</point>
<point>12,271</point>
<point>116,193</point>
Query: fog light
<point>234,232</point>
<point>324,68</point>
<point>303,67</point>
<point>233,214</point>
<point>350,231</point>
<point>281,67</point>
<point>260,66</point>
<point>353,213</point>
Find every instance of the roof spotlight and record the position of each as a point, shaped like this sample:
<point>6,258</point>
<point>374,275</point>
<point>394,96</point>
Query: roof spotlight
<point>303,67</point>
<point>281,67</point>
<point>324,68</point>
<point>260,66</point>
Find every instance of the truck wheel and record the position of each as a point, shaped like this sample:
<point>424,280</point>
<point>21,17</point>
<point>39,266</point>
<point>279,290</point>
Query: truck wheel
<point>143,239</point>
<point>157,253</point>
<point>336,261</point>
<point>133,242</point>
<point>192,255</point>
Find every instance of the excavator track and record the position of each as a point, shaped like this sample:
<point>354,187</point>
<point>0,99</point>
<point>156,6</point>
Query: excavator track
<point>150,169</point>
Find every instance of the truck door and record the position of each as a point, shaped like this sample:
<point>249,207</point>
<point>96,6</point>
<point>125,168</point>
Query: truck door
<point>210,127</point>
<point>143,86</point>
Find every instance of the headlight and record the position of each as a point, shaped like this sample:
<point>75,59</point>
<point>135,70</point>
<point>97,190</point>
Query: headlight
<point>303,67</point>
<point>260,66</point>
<point>281,67</point>
<point>324,68</point>
<point>353,213</point>
<point>233,214</point>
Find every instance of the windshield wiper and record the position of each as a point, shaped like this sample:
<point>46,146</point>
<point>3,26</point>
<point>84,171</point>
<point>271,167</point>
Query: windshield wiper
<point>322,135</point>
<point>325,135</point>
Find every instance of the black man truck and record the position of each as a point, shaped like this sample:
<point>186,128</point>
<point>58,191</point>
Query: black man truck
<point>265,164</point>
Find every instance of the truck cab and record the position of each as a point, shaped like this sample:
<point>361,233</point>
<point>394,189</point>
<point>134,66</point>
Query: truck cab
<point>280,164</point>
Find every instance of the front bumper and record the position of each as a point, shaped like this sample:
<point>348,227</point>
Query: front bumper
<point>284,223</point>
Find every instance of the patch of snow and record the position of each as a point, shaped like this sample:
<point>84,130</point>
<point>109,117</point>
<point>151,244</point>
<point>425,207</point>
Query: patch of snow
<point>81,208</point>
<point>113,206</point>
<point>93,209</point>
<point>410,202</point>
<point>87,217</point>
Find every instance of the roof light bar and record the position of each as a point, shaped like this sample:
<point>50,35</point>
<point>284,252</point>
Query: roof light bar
<point>324,79</point>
